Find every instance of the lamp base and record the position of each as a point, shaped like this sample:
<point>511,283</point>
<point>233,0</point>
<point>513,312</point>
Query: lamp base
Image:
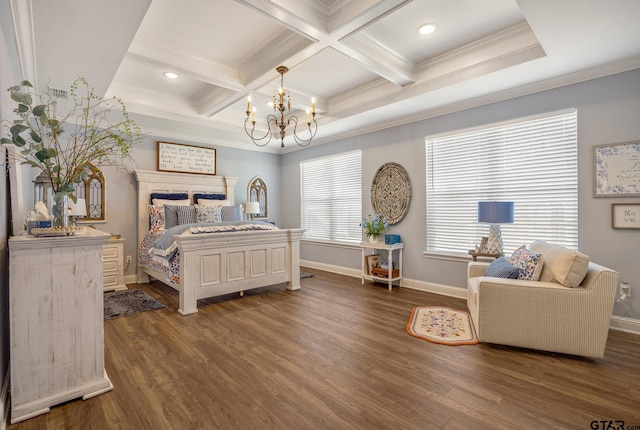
<point>494,243</point>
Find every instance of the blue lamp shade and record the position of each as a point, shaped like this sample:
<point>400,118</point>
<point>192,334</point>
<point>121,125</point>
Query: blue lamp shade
<point>495,212</point>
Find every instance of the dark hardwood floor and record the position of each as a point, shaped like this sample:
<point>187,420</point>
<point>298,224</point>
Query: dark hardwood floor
<point>336,355</point>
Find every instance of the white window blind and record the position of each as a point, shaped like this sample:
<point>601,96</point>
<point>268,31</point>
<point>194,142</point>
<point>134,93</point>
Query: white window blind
<point>532,163</point>
<point>331,197</point>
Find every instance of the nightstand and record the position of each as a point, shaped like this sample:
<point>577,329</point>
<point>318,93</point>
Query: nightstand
<point>113,265</point>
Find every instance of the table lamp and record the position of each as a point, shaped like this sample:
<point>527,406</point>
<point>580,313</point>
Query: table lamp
<point>495,213</point>
<point>77,210</point>
<point>251,209</point>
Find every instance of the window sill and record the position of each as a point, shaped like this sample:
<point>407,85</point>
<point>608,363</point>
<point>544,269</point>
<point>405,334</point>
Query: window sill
<point>449,256</point>
<point>331,243</point>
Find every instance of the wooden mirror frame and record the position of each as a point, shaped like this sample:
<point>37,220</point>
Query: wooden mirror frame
<point>258,192</point>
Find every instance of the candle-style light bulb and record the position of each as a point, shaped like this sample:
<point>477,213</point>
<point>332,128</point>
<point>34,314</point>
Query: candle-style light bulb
<point>313,104</point>
<point>249,104</point>
<point>308,117</point>
<point>254,114</point>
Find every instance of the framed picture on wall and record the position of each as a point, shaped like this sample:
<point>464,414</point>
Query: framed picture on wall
<point>616,170</point>
<point>176,157</point>
<point>625,216</point>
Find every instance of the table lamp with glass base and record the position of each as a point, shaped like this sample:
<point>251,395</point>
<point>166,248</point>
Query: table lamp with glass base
<point>495,213</point>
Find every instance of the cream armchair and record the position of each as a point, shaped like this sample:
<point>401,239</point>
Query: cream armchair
<point>546,314</point>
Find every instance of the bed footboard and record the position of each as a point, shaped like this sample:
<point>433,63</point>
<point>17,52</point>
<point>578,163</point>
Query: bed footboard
<point>213,264</point>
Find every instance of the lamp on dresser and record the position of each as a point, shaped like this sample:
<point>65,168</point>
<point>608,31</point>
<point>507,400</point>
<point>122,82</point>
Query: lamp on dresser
<point>77,210</point>
<point>495,213</point>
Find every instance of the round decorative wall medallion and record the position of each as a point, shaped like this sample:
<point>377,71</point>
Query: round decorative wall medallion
<point>391,192</point>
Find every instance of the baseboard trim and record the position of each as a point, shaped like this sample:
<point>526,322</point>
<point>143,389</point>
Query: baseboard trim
<point>4,401</point>
<point>130,279</point>
<point>625,324</point>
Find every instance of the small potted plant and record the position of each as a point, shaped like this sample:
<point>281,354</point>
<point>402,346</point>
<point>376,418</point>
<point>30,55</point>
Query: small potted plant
<point>374,227</point>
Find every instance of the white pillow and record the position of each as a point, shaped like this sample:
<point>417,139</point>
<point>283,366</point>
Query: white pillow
<point>208,202</point>
<point>162,202</point>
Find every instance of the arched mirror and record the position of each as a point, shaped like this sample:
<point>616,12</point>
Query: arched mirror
<point>257,192</point>
<point>91,203</point>
<point>92,190</point>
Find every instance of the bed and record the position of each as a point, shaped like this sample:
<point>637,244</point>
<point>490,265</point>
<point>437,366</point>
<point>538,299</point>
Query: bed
<point>212,264</point>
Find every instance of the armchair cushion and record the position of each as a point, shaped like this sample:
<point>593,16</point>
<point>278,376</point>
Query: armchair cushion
<point>500,268</point>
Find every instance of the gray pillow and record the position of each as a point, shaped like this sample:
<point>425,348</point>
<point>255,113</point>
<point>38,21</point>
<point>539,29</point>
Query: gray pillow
<point>170,216</point>
<point>500,268</point>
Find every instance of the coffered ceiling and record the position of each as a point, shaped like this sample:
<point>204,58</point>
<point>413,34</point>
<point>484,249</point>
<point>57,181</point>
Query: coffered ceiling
<point>362,60</point>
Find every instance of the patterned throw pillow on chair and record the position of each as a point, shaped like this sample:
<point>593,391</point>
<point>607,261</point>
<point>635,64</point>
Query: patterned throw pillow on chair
<point>500,268</point>
<point>529,263</point>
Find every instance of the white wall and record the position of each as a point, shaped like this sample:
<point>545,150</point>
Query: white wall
<point>608,112</point>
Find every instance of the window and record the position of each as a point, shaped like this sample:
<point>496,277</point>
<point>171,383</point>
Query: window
<point>531,162</point>
<point>331,197</point>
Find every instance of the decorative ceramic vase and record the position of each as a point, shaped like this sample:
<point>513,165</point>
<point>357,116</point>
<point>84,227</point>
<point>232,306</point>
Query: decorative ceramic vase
<point>60,210</point>
<point>373,239</point>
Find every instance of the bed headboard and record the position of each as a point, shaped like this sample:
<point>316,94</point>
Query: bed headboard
<point>150,181</point>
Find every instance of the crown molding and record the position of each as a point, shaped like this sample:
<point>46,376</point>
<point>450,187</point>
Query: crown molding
<point>22,14</point>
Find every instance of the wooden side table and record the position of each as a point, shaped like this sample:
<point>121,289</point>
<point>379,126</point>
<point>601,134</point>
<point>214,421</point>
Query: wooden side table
<point>475,255</point>
<point>381,275</point>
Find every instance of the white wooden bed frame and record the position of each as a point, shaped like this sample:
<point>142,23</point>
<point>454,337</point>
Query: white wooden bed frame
<point>212,264</point>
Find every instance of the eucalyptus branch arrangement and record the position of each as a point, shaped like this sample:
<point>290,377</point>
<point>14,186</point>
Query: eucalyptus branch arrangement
<point>63,146</point>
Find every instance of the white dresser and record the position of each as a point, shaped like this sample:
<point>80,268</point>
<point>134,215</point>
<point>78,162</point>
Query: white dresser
<point>57,321</point>
<point>113,265</point>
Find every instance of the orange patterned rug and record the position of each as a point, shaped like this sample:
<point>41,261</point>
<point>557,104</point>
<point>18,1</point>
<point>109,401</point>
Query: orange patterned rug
<point>442,325</point>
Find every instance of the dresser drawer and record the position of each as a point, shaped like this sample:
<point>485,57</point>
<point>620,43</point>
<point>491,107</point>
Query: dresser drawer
<point>110,253</point>
<point>110,266</point>
<point>109,279</point>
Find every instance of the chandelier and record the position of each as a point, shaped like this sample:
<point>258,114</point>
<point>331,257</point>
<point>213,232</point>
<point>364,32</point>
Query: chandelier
<point>281,105</point>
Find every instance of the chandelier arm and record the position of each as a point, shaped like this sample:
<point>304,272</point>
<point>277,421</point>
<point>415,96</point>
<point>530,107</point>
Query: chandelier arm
<point>299,140</point>
<point>257,140</point>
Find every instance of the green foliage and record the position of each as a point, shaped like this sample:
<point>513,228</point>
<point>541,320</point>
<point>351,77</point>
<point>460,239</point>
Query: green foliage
<point>93,136</point>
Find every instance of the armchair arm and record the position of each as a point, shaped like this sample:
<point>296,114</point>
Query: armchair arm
<point>476,268</point>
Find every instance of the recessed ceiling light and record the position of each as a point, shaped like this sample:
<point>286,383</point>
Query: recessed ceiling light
<point>171,75</point>
<point>427,29</point>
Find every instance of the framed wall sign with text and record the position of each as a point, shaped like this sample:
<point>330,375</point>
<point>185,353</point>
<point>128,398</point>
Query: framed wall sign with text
<point>616,170</point>
<point>175,157</point>
<point>625,215</point>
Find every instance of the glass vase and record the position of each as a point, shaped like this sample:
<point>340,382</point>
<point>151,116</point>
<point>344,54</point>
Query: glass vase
<point>373,239</point>
<point>60,210</point>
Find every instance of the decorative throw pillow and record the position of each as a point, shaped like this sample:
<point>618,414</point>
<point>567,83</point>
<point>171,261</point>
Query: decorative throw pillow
<point>209,202</point>
<point>156,218</point>
<point>231,213</point>
<point>186,215</point>
<point>529,263</point>
<point>500,268</point>
<point>208,213</point>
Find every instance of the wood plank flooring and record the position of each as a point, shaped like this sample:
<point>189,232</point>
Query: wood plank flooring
<point>336,355</point>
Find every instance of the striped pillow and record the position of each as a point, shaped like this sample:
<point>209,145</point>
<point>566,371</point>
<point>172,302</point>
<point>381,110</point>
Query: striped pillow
<point>231,213</point>
<point>186,215</point>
